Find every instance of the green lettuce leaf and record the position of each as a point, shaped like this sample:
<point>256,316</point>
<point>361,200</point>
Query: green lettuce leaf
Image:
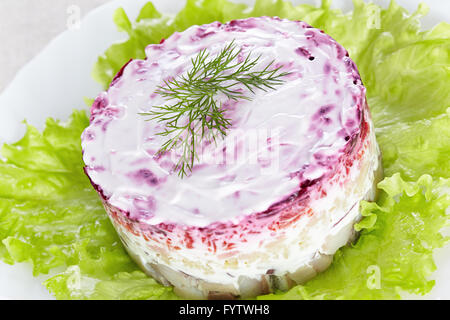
<point>51,217</point>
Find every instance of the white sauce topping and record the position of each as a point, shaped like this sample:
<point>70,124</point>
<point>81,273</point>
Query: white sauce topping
<point>309,120</point>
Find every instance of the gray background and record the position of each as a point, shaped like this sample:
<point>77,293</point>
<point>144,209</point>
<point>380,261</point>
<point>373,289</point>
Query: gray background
<point>26,27</point>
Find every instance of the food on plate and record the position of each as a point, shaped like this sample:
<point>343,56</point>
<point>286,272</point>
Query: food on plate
<point>232,227</point>
<point>52,218</point>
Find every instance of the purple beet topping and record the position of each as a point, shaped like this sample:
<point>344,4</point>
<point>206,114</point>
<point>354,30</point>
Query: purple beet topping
<point>321,117</point>
<point>99,104</point>
<point>326,109</point>
<point>202,33</point>
<point>303,52</point>
<point>247,24</point>
<point>120,73</point>
<point>145,176</point>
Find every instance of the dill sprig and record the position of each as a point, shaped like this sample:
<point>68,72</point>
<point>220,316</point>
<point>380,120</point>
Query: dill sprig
<point>195,114</point>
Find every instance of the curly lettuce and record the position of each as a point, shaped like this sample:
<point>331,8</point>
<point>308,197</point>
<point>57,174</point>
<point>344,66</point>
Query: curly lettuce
<point>51,217</point>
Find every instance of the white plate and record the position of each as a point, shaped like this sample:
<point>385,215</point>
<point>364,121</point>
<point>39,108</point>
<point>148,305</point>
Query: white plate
<point>55,82</point>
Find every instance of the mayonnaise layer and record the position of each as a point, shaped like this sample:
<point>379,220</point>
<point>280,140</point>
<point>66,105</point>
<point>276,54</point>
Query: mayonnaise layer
<point>278,140</point>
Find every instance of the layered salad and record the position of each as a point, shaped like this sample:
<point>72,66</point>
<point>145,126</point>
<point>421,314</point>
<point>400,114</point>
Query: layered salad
<point>266,206</point>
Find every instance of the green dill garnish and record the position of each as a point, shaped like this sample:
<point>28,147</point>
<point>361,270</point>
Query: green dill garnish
<point>195,114</point>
